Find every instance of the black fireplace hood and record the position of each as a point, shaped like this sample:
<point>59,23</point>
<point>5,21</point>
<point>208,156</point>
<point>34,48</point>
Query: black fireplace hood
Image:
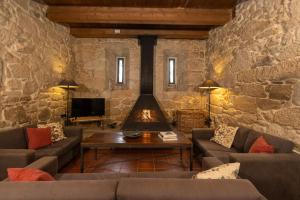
<point>146,114</point>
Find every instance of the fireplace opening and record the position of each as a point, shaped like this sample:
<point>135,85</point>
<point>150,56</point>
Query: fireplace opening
<point>146,114</point>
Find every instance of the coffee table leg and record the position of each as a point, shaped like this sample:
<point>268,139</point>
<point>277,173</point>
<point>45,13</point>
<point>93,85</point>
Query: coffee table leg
<point>191,158</point>
<point>180,153</point>
<point>96,154</point>
<point>81,160</point>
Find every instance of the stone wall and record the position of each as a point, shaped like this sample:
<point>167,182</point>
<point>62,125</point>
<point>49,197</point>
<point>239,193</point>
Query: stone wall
<point>94,69</point>
<point>34,56</point>
<point>94,61</point>
<point>256,57</point>
<point>191,72</point>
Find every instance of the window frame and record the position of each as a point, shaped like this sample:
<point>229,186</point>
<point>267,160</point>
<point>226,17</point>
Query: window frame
<point>169,71</point>
<point>117,70</point>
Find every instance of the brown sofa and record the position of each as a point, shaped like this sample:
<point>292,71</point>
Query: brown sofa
<point>276,176</point>
<point>123,186</point>
<point>14,152</point>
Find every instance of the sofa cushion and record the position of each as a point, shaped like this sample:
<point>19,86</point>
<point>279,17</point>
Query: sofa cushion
<point>261,146</point>
<point>280,145</point>
<point>165,174</point>
<point>90,176</point>
<point>224,135</point>
<point>187,189</point>
<point>206,145</point>
<point>62,190</point>
<point>240,138</point>
<point>13,139</point>
<point>225,171</point>
<point>221,155</point>
<point>57,132</point>
<point>38,137</point>
<point>112,175</point>
<point>58,148</point>
<point>28,174</point>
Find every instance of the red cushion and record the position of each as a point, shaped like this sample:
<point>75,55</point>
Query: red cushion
<point>27,174</point>
<point>261,146</point>
<point>38,137</point>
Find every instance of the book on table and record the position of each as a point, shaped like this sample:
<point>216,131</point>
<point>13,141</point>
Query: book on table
<point>168,136</point>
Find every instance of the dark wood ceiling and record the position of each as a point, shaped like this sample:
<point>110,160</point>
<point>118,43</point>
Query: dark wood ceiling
<point>191,19</point>
<point>210,4</point>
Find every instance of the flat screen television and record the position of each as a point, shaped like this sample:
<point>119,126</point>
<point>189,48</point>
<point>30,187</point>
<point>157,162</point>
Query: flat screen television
<point>82,107</point>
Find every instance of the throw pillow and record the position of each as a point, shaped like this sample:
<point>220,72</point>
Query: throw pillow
<point>261,146</point>
<point>27,174</point>
<point>225,171</point>
<point>224,135</point>
<point>38,137</point>
<point>57,132</point>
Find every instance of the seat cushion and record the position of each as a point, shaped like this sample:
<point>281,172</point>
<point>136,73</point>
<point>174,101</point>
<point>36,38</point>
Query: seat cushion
<point>221,155</point>
<point>187,189</point>
<point>206,145</point>
<point>62,190</point>
<point>240,138</point>
<point>58,148</point>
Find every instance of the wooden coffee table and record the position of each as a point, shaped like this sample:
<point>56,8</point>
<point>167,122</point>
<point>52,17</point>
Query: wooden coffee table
<point>148,140</point>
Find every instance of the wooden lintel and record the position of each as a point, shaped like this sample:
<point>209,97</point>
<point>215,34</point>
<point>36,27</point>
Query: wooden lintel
<point>132,33</point>
<point>122,15</point>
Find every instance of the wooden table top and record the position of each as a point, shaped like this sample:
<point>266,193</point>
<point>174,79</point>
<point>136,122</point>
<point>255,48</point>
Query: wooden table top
<point>147,140</point>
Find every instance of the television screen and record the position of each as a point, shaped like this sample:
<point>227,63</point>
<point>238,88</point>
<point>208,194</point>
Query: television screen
<point>88,107</point>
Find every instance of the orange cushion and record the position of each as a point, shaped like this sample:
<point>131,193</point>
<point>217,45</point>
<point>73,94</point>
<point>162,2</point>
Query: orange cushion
<point>27,174</point>
<point>261,146</point>
<point>38,137</point>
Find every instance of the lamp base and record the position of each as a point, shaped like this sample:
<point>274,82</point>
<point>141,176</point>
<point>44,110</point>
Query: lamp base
<point>208,122</point>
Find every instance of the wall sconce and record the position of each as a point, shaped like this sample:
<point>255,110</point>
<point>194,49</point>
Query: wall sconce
<point>209,85</point>
<point>68,85</point>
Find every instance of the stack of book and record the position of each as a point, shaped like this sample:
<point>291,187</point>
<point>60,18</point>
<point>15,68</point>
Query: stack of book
<point>168,136</point>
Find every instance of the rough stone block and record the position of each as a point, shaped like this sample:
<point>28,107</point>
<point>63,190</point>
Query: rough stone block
<point>288,117</point>
<point>254,90</point>
<point>246,104</point>
<point>280,92</point>
<point>268,104</point>
<point>296,95</point>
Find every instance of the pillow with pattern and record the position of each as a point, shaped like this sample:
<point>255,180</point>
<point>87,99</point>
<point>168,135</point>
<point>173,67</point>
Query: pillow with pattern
<point>225,171</point>
<point>57,131</point>
<point>224,135</point>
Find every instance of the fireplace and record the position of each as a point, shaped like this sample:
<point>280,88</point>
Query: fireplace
<point>146,114</point>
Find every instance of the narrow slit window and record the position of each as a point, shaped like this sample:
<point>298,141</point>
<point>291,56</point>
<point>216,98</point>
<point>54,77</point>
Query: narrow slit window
<point>120,70</point>
<point>172,70</point>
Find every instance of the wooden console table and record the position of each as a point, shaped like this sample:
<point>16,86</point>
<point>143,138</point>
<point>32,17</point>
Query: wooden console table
<point>98,120</point>
<point>188,119</point>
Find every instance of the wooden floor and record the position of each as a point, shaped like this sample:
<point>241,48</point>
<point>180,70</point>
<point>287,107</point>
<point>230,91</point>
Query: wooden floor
<point>132,160</point>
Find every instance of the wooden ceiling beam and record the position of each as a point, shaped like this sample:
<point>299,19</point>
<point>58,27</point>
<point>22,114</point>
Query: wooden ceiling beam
<point>133,33</point>
<point>122,15</point>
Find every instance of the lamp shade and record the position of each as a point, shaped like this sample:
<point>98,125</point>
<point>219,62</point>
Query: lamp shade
<point>68,84</point>
<point>209,84</point>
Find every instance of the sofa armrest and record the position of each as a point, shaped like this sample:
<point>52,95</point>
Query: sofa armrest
<point>48,164</point>
<point>277,176</point>
<point>202,133</point>
<point>72,131</point>
<point>210,162</point>
<point>14,158</point>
